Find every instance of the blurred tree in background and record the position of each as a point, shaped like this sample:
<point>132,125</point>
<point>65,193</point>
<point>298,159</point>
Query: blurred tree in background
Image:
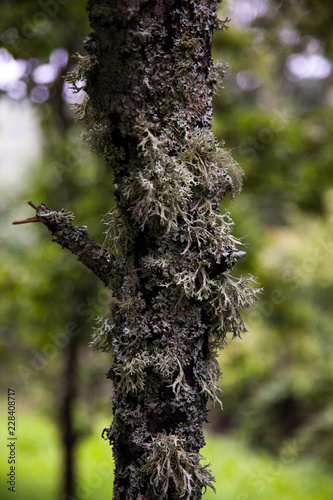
<point>51,301</point>
<point>275,115</point>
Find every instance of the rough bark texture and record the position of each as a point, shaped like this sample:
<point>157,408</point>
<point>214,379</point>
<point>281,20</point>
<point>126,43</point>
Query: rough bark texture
<point>168,253</point>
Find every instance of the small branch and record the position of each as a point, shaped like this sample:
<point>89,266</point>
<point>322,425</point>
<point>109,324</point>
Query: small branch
<point>30,219</point>
<point>76,240</point>
<point>24,221</point>
<point>32,205</point>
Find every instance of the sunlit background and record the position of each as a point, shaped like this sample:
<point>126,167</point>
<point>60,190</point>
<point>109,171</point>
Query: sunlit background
<point>274,438</point>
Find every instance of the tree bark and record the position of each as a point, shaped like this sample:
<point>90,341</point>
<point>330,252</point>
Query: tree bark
<point>150,79</point>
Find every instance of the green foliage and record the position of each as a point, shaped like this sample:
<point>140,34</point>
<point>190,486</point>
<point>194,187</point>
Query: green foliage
<point>277,383</point>
<point>31,29</point>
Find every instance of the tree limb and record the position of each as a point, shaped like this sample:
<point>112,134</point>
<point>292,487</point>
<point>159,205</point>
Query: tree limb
<point>76,240</point>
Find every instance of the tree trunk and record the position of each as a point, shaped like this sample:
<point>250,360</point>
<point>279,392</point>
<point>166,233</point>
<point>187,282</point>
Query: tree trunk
<point>150,80</point>
<point>69,435</point>
<point>167,256</point>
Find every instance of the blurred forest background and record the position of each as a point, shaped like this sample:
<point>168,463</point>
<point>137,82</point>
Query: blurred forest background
<point>274,438</point>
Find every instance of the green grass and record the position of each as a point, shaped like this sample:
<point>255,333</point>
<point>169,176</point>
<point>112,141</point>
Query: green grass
<point>241,474</point>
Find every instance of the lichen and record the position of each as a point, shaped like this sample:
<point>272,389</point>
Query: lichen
<point>169,464</point>
<point>62,216</point>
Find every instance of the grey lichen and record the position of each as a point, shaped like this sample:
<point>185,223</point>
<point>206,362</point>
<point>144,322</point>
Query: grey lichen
<point>61,217</point>
<point>168,464</point>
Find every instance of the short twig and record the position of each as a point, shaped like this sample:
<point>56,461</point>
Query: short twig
<point>30,219</point>
<point>32,205</point>
<point>24,221</point>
